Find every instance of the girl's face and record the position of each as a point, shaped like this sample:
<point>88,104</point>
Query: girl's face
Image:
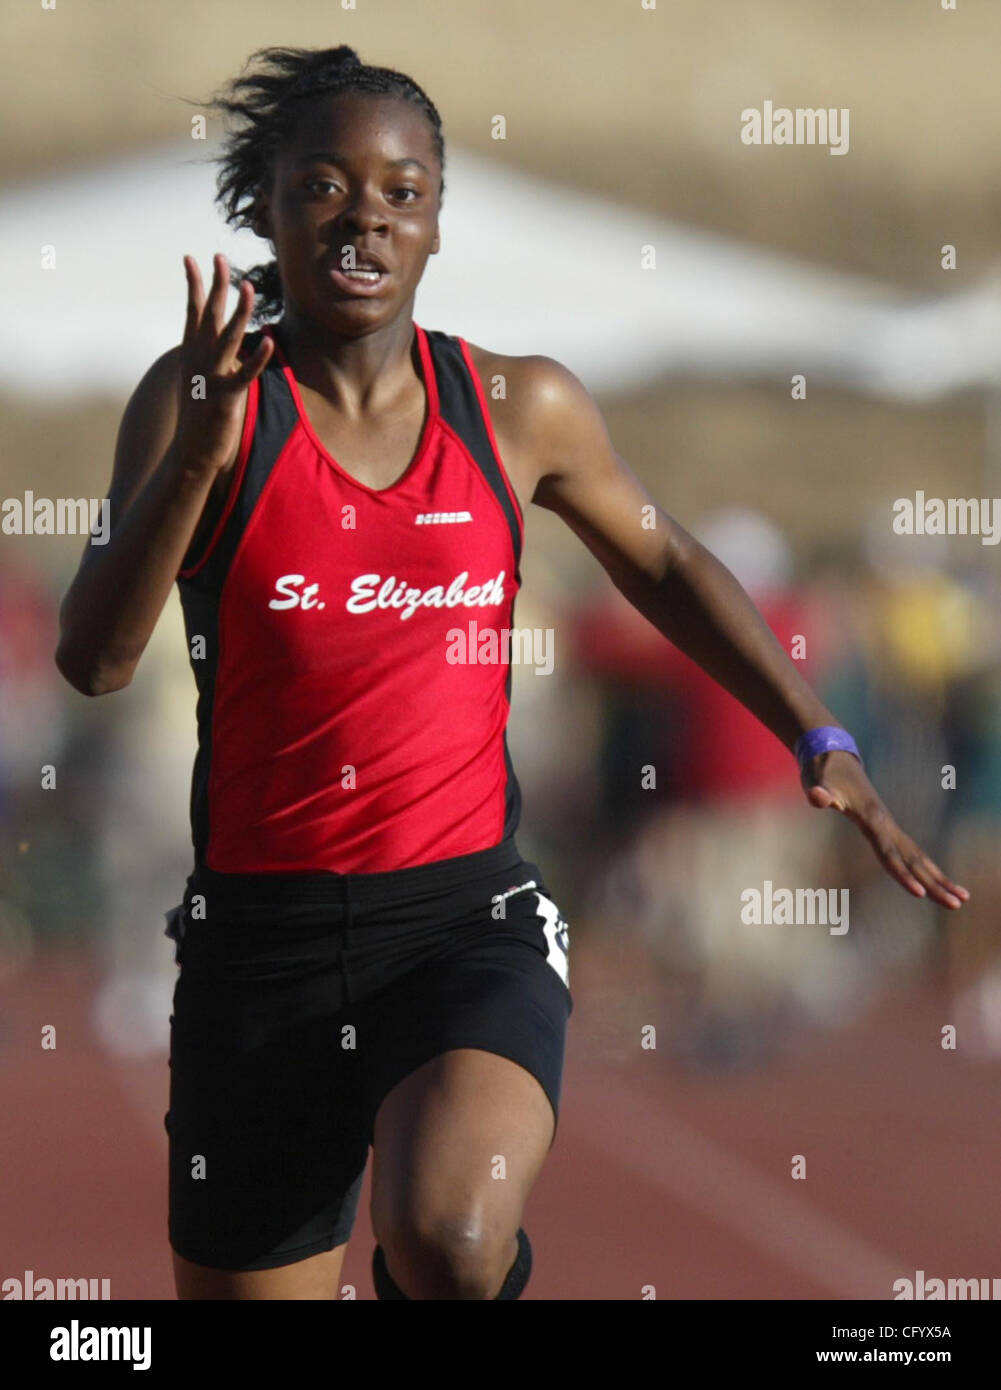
<point>359,171</point>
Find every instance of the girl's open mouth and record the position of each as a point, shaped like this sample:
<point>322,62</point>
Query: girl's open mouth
<point>358,282</point>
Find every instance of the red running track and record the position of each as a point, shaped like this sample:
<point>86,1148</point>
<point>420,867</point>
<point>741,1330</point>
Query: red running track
<point>662,1175</point>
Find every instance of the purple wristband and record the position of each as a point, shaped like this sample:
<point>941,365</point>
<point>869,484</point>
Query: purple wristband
<point>828,739</point>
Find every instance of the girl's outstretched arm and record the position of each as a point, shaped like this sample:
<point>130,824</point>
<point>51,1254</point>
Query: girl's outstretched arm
<point>696,602</point>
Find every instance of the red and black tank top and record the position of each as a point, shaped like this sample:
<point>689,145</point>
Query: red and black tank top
<point>342,722</point>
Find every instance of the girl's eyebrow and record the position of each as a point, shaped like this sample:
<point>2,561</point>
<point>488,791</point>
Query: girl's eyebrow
<point>331,157</point>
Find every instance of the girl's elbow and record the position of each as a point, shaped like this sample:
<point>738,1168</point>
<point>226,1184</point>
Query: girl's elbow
<point>88,677</point>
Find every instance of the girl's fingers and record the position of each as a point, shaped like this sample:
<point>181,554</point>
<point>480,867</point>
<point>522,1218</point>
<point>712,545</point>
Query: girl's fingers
<point>265,351</point>
<point>196,299</point>
<point>919,875</point>
<point>935,890</point>
<point>905,867</point>
<point>877,829</point>
<point>930,876</point>
<point>232,335</point>
<point>894,862</point>
<point>258,360</point>
<point>206,318</point>
<point>216,305</point>
<point>823,798</point>
<point>205,330</point>
<point>939,886</point>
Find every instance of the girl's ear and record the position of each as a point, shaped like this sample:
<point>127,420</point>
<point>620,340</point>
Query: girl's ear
<point>436,242</point>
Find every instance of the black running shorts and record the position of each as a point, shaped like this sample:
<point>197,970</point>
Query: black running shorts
<point>302,999</point>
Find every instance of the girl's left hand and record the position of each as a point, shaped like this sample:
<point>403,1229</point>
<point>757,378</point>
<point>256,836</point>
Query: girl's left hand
<point>837,779</point>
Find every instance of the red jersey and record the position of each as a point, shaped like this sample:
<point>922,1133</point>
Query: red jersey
<point>337,730</point>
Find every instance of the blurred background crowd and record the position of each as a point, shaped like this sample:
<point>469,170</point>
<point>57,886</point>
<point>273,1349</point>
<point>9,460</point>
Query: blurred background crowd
<point>908,658</point>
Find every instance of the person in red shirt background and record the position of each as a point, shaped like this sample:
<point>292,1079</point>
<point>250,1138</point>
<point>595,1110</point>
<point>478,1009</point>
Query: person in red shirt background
<point>721,807</point>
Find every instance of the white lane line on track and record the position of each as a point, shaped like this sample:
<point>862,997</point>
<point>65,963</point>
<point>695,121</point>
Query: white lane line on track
<point>670,1153</point>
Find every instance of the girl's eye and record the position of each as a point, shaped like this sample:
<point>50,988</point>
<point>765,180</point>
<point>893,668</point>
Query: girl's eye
<point>325,185</point>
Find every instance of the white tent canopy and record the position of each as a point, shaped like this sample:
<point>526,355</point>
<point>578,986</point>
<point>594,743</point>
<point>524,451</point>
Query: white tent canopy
<point>525,267</point>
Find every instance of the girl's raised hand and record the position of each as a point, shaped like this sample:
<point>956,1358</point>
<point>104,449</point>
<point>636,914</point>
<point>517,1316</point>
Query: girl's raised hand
<point>213,380</point>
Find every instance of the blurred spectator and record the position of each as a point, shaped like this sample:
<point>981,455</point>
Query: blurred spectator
<point>728,813</point>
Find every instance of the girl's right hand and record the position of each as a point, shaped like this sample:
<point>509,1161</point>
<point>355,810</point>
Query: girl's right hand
<point>211,410</point>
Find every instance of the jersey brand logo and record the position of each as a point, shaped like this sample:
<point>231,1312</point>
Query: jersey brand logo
<point>439,518</point>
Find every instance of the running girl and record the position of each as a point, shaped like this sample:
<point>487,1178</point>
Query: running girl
<point>365,959</point>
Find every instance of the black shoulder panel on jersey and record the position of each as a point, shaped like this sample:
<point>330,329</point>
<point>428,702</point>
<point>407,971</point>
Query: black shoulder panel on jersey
<point>459,406</point>
<point>201,623</point>
<point>200,593</point>
<point>276,419</point>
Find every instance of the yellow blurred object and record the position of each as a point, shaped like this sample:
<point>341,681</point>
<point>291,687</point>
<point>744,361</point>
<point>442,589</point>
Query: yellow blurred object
<point>929,630</point>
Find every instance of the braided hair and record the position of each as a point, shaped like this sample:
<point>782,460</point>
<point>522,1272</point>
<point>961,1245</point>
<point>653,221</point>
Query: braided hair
<point>265,103</point>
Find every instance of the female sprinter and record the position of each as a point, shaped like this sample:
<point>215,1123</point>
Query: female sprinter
<point>365,960</point>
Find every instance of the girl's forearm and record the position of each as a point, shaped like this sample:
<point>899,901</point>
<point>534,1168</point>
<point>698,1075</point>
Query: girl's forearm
<point>113,604</point>
<point>700,607</point>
